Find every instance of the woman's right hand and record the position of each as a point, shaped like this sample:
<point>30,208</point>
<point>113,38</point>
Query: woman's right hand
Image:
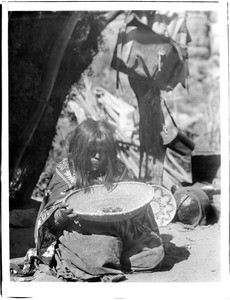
<point>63,214</point>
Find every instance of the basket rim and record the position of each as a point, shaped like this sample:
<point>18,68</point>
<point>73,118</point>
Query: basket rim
<point>111,216</point>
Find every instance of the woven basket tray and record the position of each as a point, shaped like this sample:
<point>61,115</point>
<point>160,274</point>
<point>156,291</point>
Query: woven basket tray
<point>163,205</point>
<point>125,200</point>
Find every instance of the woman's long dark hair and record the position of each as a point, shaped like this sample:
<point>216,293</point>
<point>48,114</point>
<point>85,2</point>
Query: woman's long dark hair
<point>83,141</point>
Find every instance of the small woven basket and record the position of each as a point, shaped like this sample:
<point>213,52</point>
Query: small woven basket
<point>123,201</point>
<point>163,205</point>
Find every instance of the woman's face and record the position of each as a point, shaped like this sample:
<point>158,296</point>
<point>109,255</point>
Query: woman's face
<point>98,159</point>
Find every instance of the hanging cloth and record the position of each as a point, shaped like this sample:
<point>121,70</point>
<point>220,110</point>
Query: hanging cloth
<point>143,54</point>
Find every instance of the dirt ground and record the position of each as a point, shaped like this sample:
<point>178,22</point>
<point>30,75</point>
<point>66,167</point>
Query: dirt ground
<point>192,253</point>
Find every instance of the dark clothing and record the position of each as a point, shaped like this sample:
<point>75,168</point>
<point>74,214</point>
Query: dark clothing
<point>85,250</point>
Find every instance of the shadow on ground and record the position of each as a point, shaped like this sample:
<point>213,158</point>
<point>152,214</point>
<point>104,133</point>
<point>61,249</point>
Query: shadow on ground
<point>173,253</point>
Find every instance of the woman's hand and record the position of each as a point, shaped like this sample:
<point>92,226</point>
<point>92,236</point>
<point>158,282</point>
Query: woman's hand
<point>63,214</point>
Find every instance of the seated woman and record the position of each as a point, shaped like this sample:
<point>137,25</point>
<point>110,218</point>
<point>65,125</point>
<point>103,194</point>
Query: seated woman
<point>80,250</point>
